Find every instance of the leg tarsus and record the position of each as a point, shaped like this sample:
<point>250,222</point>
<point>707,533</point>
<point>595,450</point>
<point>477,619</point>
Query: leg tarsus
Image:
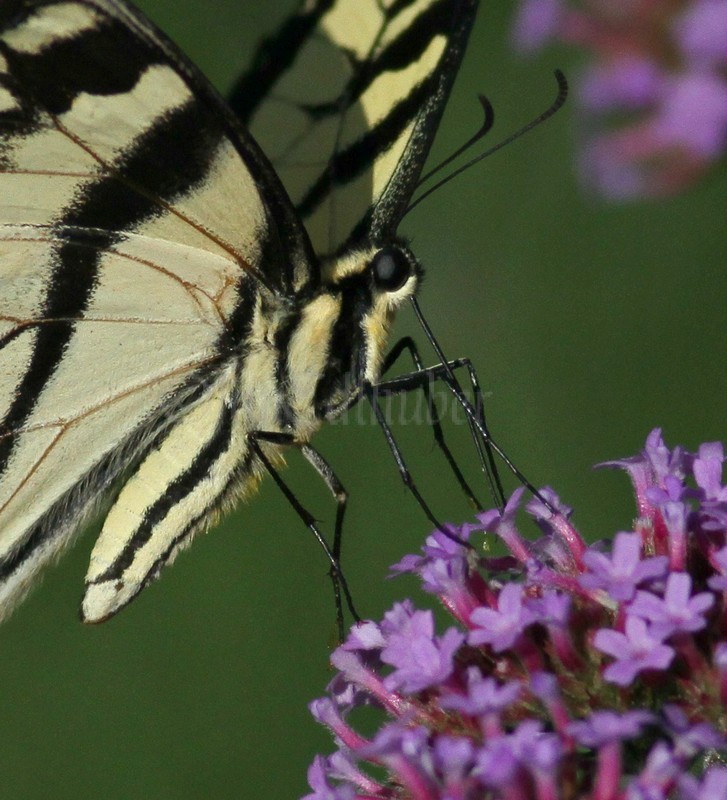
<point>340,585</point>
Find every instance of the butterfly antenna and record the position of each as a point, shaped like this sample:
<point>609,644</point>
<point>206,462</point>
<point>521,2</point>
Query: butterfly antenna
<point>555,106</point>
<point>485,128</point>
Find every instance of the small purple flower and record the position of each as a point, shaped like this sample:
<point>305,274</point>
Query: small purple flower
<point>701,32</point>
<point>496,762</point>
<point>670,490</point>
<point>562,545</point>
<point>552,608</point>
<point>671,500</point>
<point>445,577</point>
<point>690,738</point>
<point>603,727</point>
<point>635,650</point>
<point>620,574</point>
<point>453,757</point>
<point>663,461</point>
<point>407,753</point>
<point>444,570</point>
<point>502,524</point>
<point>322,789</point>
<point>420,658</point>
<point>501,628</point>
<point>677,611</point>
<point>438,547</point>
<point>328,713</point>
<point>657,776</point>
<point>360,680</point>
<point>537,22</point>
<point>708,476</point>
<point>401,618</point>
<point>693,115</point>
<point>364,636</point>
<point>537,750</point>
<point>484,695</point>
<point>631,82</point>
<point>527,746</point>
<point>713,785</point>
<point>542,513</point>
<point>649,469</point>
<point>324,710</point>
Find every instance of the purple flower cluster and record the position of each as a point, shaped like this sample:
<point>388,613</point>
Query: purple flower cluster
<point>658,71</point>
<point>572,672</point>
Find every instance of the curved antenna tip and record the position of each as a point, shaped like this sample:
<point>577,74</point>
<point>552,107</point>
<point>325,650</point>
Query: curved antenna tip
<point>555,106</point>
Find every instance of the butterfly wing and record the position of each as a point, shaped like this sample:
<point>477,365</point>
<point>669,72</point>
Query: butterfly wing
<point>142,233</point>
<point>361,85</point>
<point>138,226</point>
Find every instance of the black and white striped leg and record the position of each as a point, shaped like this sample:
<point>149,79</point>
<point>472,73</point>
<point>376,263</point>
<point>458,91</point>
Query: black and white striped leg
<point>322,467</point>
<point>408,344</point>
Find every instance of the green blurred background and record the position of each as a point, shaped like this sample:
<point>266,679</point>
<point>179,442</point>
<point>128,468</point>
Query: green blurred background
<point>590,324</point>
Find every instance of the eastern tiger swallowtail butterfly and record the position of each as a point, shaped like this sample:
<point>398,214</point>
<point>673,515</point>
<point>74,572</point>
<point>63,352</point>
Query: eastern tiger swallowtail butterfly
<point>174,310</point>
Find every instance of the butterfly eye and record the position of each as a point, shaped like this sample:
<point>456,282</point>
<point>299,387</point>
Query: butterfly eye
<point>390,269</point>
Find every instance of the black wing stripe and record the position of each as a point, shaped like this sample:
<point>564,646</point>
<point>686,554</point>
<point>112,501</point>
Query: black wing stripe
<point>240,320</point>
<point>192,527</point>
<point>408,47</point>
<point>352,161</point>
<point>398,6</point>
<point>70,289</point>
<point>107,59</point>
<point>111,205</point>
<point>109,55</point>
<point>276,55</point>
<point>175,492</point>
<point>39,537</point>
<point>273,58</point>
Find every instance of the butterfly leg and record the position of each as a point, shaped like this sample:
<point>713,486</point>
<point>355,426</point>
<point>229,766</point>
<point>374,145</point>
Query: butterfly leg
<point>408,344</point>
<point>475,416</point>
<point>323,468</point>
<point>444,372</point>
<point>371,392</point>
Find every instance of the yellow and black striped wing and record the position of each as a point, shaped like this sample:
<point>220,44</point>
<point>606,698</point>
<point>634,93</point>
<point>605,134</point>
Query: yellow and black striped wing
<point>138,226</point>
<point>345,100</point>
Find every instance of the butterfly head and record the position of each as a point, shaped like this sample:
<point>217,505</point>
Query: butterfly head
<point>388,274</point>
<point>369,284</point>
<point>380,279</point>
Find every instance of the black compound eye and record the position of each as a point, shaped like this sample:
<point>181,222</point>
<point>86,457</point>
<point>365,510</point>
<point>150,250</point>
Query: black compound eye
<point>390,269</point>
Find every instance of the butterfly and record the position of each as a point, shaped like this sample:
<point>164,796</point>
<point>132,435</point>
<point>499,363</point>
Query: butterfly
<point>175,311</point>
